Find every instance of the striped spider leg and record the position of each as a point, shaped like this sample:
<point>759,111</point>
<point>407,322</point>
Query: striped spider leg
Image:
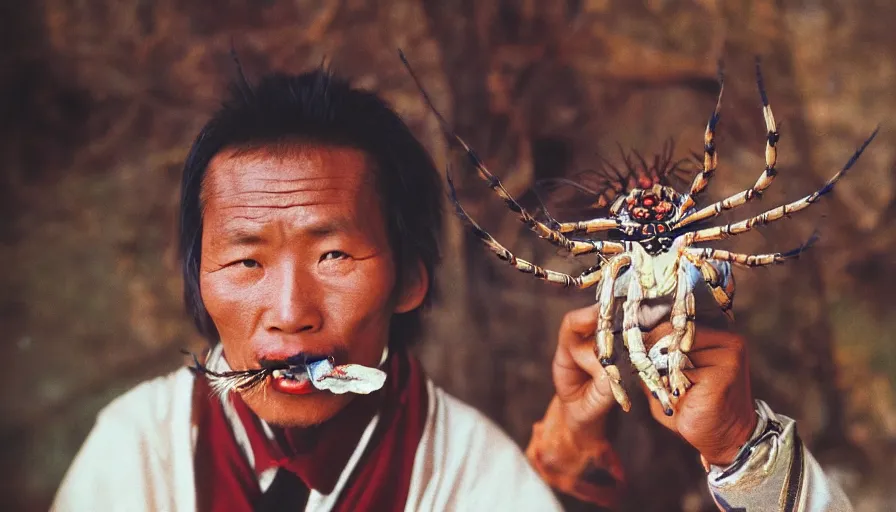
<point>722,232</point>
<point>711,159</point>
<point>586,279</point>
<point>640,278</point>
<point>710,156</point>
<point>606,297</point>
<point>718,277</point>
<point>606,275</point>
<point>714,267</point>
<point>551,234</point>
<point>683,312</point>
<point>750,260</point>
<point>670,352</point>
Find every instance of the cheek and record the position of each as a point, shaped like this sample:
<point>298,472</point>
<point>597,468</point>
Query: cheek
<point>233,310</point>
<point>362,298</point>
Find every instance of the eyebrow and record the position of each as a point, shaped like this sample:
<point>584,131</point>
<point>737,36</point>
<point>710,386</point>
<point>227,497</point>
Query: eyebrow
<point>329,227</point>
<point>240,235</point>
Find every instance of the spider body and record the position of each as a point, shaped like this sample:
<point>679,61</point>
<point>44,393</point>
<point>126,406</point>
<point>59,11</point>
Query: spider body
<point>650,251</point>
<point>647,215</point>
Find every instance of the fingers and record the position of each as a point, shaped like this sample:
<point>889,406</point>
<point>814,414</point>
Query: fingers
<point>715,357</point>
<point>705,338</point>
<point>578,375</point>
<point>575,347</point>
<point>579,323</point>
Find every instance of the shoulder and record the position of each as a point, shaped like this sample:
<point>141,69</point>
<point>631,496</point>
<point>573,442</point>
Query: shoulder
<point>478,465</point>
<point>134,441</point>
<point>465,422</point>
<point>150,403</point>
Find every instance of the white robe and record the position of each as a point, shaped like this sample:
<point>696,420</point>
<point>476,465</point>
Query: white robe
<point>139,457</point>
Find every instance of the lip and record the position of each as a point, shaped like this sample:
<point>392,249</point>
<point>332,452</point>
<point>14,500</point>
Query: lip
<point>281,358</point>
<point>292,386</point>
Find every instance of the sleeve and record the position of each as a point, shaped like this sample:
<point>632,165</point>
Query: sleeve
<point>466,462</point>
<point>775,471</point>
<point>138,455</point>
<point>106,474</point>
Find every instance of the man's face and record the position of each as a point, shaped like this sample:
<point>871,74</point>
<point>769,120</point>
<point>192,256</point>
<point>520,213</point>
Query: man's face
<point>296,259</point>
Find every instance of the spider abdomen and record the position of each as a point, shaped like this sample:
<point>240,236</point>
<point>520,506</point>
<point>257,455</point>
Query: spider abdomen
<point>657,273</point>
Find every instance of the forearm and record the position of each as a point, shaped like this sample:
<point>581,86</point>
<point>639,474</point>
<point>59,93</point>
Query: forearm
<point>775,471</point>
<point>585,469</point>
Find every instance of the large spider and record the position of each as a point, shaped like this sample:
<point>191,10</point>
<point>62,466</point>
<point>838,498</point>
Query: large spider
<point>650,253</point>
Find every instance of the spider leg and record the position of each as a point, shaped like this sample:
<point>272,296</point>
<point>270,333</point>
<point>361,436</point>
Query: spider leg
<point>718,277</point>
<point>634,341</point>
<point>722,232</point>
<point>604,336</point>
<point>587,226</point>
<point>765,179</point>
<point>494,183</point>
<point>659,355</point>
<point>683,312</point>
<point>586,279</point>
<point>576,247</point>
<point>751,260</point>
<point>710,157</point>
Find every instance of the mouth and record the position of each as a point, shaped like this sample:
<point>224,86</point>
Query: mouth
<point>297,375</point>
<point>293,379</point>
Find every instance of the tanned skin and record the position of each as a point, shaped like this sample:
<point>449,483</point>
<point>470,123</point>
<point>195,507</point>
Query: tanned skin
<point>296,259</point>
<point>716,416</point>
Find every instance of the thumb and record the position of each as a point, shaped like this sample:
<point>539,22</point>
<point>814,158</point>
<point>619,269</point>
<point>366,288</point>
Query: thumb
<point>595,401</point>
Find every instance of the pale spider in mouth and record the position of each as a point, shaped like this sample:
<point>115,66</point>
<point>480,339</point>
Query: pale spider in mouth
<point>323,373</point>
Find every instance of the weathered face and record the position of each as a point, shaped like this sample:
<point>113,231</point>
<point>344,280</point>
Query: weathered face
<point>296,260</point>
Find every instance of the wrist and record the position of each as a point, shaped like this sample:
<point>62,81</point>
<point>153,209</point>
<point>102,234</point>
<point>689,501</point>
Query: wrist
<point>587,434</point>
<point>575,460</point>
<point>732,442</point>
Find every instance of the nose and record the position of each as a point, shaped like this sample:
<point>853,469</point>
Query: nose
<point>295,307</point>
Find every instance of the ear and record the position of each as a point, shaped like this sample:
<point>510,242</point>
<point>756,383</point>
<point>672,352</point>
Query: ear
<point>414,287</point>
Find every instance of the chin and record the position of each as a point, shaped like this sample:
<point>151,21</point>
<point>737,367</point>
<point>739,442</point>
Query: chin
<point>288,411</point>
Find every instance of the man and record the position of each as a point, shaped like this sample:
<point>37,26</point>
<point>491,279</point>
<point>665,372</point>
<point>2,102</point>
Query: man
<point>309,225</point>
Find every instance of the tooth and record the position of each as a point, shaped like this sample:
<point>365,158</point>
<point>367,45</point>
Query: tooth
<point>276,374</point>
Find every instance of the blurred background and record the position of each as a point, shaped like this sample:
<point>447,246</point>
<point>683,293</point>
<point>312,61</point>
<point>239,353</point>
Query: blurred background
<point>101,100</point>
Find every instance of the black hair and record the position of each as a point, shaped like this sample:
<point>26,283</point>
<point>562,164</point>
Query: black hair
<point>318,107</point>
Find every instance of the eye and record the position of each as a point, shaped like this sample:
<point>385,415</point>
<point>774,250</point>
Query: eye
<point>334,255</point>
<point>248,263</point>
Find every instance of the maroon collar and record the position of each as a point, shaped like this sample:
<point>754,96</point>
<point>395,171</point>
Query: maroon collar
<point>316,454</point>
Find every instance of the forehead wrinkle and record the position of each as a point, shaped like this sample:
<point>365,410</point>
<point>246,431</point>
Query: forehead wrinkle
<point>263,169</point>
<point>292,154</point>
<point>248,231</point>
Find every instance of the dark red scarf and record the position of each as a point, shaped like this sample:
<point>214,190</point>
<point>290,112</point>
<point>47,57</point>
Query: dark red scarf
<point>381,479</point>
